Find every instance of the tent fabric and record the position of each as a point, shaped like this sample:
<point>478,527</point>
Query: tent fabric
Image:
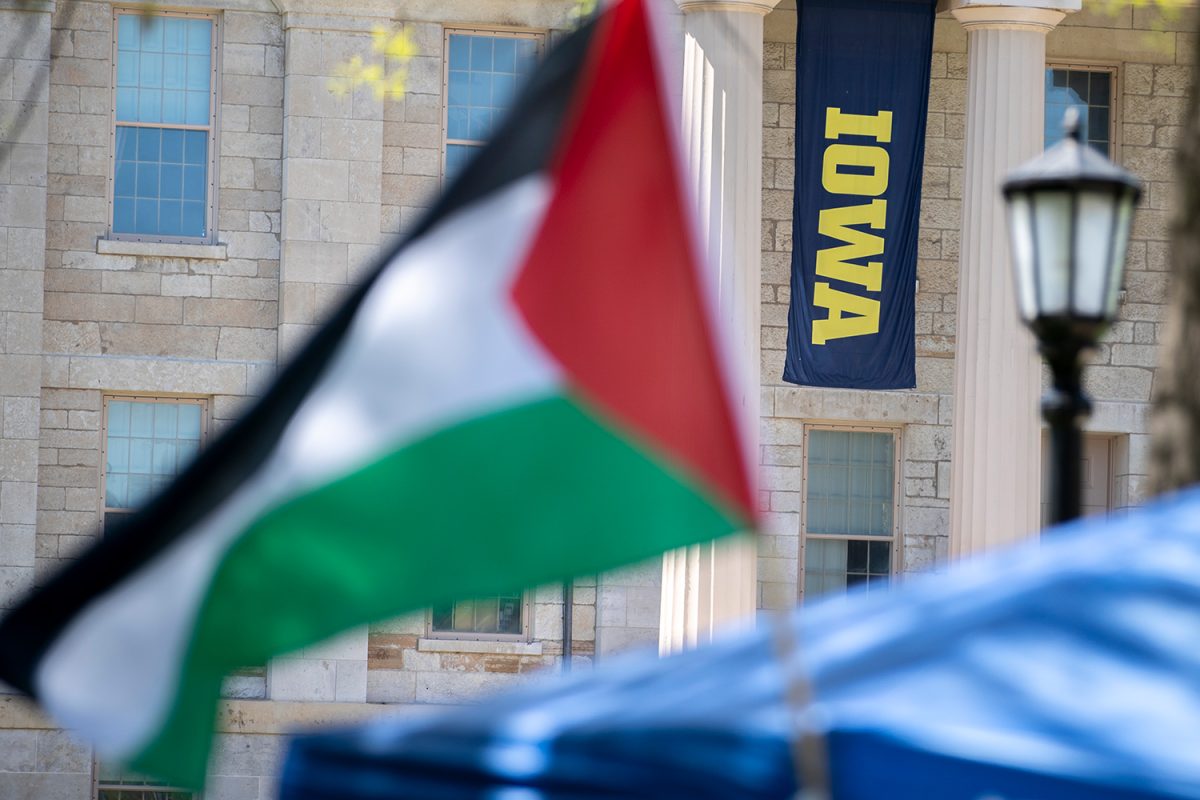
<point>1066,668</point>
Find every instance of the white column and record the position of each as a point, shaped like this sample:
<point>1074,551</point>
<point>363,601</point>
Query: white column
<point>709,585</point>
<point>995,490</point>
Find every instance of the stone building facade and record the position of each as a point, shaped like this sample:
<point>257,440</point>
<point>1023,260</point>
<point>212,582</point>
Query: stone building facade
<point>307,183</point>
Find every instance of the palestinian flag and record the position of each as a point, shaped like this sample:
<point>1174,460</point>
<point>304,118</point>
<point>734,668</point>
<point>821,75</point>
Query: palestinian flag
<point>527,389</point>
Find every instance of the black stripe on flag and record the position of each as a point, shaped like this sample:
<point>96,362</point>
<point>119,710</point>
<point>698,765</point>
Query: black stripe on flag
<point>523,145</point>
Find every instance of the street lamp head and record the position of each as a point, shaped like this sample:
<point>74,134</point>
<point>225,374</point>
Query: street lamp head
<point>1070,211</point>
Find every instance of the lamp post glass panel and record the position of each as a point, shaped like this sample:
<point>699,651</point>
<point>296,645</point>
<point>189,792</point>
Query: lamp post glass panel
<point>1070,211</point>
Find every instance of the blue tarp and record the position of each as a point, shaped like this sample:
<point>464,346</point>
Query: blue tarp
<point>1065,670</point>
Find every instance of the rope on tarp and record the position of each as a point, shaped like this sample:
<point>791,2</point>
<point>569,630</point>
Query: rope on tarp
<point>810,754</point>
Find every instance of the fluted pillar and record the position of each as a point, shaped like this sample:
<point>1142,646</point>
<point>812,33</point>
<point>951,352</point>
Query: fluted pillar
<point>995,487</point>
<point>713,584</point>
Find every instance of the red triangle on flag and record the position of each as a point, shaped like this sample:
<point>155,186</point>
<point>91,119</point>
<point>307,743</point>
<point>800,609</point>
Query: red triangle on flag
<point>611,285</point>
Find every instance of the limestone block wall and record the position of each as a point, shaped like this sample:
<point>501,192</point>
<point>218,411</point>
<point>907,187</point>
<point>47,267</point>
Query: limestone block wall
<point>24,69</point>
<point>406,665</point>
<point>332,171</point>
<point>140,317</point>
<point>1151,55</point>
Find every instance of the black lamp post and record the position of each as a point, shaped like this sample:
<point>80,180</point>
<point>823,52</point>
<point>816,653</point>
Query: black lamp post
<point>1070,211</point>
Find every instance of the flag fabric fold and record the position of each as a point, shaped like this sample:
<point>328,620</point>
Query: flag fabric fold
<point>526,389</point>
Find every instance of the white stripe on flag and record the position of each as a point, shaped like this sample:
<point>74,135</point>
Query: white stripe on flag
<point>437,341</point>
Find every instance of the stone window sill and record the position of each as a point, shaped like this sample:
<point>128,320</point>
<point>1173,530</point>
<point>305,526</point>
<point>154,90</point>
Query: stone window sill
<point>119,247</point>
<point>486,646</point>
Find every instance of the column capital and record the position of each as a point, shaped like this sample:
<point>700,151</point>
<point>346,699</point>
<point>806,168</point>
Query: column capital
<point>762,7</point>
<point>1040,18</point>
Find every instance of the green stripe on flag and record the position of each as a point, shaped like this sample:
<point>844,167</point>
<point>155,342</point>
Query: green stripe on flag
<point>505,501</point>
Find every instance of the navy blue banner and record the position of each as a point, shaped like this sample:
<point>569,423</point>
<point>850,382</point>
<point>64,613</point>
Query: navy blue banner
<point>862,88</point>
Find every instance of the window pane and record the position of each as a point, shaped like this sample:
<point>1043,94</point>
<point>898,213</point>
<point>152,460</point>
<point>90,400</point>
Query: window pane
<point>128,65</point>
<point>145,216</point>
<point>479,123</point>
<point>149,108</point>
<point>152,33</point>
<point>443,618</point>
<point>195,147</point>
<point>147,445</point>
<point>141,453</point>
<point>164,458</point>
<point>170,181</point>
<point>150,74</point>
<point>199,35</point>
<point>504,55</point>
<point>486,615</point>
<point>849,490</point>
<point>464,616</point>
<point>499,614</point>
<point>856,556</point>
<point>481,53</point>
<point>189,421</point>
<point>140,487</point>
<point>457,156</point>
<point>117,454</point>
<point>193,182</point>
<point>172,147</point>
<point>824,566</point>
<point>1090,94</point>
<point>126,143</point>
<point>459,83</point>
<point>510,615</point>
<point>460,52</point>
<point>147,180</point>
<point>173,110</point>
<point>116,491</point>
<point>1100,88</point>
<point>128,32</point>
<point>196,109</point>
<point>164,75</point>
<point>141,419</point>
<point>850,482</point>
<point>118,418</point>
<point>149,145</point>
<point>484,72</point>
<point>456,122</point>
<point>164,420</point>
<point>834,565</point>
<point>198,67</point>
<point>174,35</point>
<point>193,219</point>
<point>186,451</point>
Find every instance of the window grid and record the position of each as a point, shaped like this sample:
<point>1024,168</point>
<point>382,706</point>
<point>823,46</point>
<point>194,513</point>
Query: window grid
<point>1094,91</point>
<point>483,68</point>
<point>138,438</point>
<point>113,783</point>
<point>850,495</point>
<point>164,134</point>
<point>503,617</point>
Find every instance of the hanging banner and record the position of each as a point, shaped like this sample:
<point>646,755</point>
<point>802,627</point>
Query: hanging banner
<point>862,88</point>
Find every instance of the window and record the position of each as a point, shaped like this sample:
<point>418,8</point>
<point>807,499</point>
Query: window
<point>1096,473</point>
<point>498,617</point>
<point>1090,90</point>
<point>483,70</point>
<point>147,442</point>
<point>848,534</point>
<point>115,784</point>
<point>164,119</point>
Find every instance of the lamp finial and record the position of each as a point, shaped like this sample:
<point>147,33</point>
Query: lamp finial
<point>1072,126</point>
